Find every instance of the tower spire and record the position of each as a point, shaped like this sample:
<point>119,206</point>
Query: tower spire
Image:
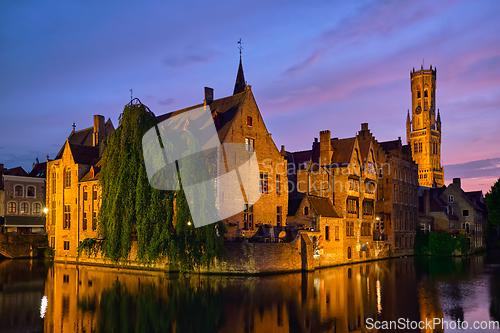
<point>240,84</point>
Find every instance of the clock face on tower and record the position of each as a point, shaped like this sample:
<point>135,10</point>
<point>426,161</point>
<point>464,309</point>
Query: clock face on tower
<point>418,110</point>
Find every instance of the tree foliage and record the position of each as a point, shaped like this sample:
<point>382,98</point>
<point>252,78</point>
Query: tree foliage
<point>132,210</point>
<point>442,244</point>
<point>493,205</point>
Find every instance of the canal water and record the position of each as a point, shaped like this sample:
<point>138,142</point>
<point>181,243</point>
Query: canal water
<point>40,296</point>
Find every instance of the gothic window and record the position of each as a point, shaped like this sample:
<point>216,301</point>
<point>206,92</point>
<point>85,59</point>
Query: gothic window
<point>67,178</point>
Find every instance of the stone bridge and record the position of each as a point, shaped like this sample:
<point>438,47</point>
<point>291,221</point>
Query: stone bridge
<point>22,246</point>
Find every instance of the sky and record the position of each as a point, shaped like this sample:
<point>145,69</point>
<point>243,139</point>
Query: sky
<point>312,65</point>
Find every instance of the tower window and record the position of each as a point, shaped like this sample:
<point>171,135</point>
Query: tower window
<point>418,94</point>
<point>426,94</point>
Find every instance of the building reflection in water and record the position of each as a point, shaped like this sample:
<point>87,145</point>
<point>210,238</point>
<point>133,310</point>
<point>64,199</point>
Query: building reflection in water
<point>97,299</point>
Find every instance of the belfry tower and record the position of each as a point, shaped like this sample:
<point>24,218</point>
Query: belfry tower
<point>423,130</point>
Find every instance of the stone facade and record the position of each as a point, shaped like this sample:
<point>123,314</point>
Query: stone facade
<point>423,130</point>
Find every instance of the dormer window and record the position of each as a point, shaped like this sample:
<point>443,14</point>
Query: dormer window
<point>249,121</point>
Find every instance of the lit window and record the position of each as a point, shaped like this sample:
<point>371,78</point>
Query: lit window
<point>37,208</point>
<point>18,191</point>
<point>25,208</point>
<point>12,207</point>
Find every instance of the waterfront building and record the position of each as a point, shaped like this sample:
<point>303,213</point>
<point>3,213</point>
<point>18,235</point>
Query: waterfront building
<point>22,200</point>
<point>423,130</point>
<point>397,197</point>
<point>450,209</point>
<point>73,192</point>
<point>341,173</point>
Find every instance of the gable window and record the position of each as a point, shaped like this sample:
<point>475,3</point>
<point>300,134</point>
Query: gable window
<point>306,210</point>
<point>465,213</point>
<point>37,208</point>
<point>18,191</point>
<point>30,192</point>
<point>450,199</point>
<point>12,207</point>
<point>263,183</point>
<point>25,208</point>
<point>249,121</point>
<point>278,216</point>
<point>67,217</point>
<point>249,144</point>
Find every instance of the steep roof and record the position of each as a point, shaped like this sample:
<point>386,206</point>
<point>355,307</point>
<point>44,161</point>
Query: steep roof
<point>390,146</point>
<point>322,206</point>
<point>438,205</point>
<point>293,205</point>
<point>223,110</point>
<point>93,173</point>
<point>240,83</point>
<point>39,170</point>
<point>342,150</point>
<point>84,154</point>
<point>81,137</point>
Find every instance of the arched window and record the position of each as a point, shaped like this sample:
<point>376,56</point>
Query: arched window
<point>12,207</point>
<point>18,191</point>
<point>30,191</point>
<point>25,208</point>
<point>425,93</point>
<point>37,208</point>
<point>349,253</point>
<point>67,177</point>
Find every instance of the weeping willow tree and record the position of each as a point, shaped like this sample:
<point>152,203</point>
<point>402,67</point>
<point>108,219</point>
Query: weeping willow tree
<point>132,210</point>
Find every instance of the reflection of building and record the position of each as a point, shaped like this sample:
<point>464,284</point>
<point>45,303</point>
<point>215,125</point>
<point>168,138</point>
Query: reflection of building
<point>423,131</point>
<point>453,210</point>
<point>22,199</point>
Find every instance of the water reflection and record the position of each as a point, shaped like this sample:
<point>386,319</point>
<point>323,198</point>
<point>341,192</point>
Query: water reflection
<point>341,299</point>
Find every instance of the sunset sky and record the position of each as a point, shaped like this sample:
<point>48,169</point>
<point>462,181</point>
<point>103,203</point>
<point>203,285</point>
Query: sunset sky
<point>313,65</point>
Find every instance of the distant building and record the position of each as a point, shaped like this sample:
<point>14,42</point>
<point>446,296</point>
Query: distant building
<point>423,130</point>
<point>450,209</point>
<point>22,200</point>
<point>397,197</point>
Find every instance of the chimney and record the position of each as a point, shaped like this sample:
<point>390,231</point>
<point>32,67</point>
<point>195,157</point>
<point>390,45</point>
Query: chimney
<point>325,147</point>
<point>456,181</point>
<point>98,130</point>
<point>364,126</point>
<point>209,96</point>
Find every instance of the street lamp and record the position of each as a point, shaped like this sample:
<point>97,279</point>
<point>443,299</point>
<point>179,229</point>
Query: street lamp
<point>189,222</point>
<point>45,210</point>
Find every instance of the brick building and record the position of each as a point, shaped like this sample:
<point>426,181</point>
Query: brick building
<point>397,197</point>
<point>423,130</point>
<point>73,192</point>
<point>344,173</point>
<point>22,200</point>
<point>238,119</point>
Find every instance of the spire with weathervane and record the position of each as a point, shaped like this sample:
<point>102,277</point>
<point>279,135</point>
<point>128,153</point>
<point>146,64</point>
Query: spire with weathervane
<point>240,84</point>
